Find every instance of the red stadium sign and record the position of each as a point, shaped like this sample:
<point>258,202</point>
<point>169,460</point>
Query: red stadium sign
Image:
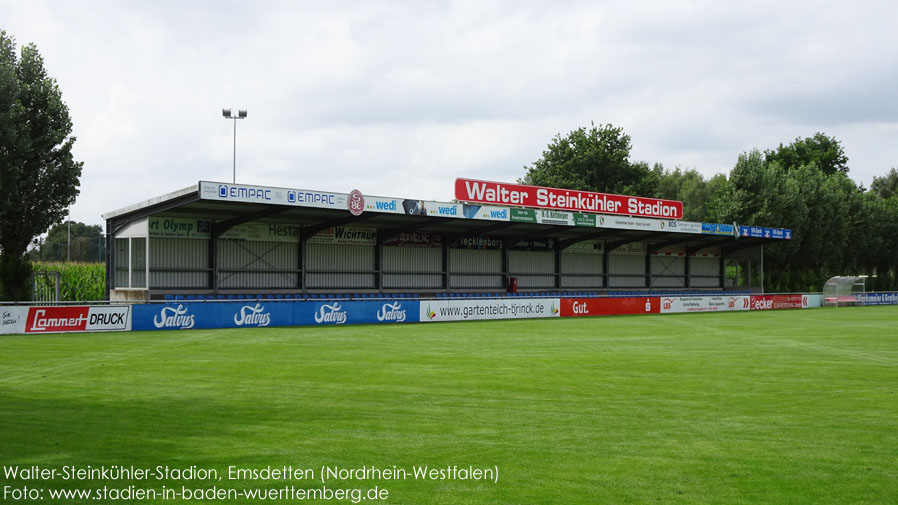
<point>470,190</point>
<point>571,307</point>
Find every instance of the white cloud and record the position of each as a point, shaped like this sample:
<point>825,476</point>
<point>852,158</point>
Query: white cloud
<point>399,98</point>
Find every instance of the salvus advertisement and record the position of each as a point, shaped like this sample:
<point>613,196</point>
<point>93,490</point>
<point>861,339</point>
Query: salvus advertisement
<point>473,310</point>
<point>679,304</point>
<point>68,319</point>
<point>497,193</point>
<point>573,307</point>
<point>260,314</point>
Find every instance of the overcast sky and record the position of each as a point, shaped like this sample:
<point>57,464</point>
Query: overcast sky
<point>400,98</point>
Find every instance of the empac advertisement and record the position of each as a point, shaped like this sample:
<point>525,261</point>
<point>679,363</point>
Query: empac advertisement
<point>473,310</point>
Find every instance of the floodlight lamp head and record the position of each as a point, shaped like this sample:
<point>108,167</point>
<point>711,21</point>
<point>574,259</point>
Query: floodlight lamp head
<point>226,113</point>
<point>241,113</point>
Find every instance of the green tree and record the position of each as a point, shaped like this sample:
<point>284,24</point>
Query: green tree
<point>887,185</point>
<point>87,244</point>
<point>39,177</point>
<point>825,152</point>
<point>691,188</point>
<point>594,159</point>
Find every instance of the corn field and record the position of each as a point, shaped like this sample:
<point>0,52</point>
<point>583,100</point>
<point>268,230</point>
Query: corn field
<point>79,281</point>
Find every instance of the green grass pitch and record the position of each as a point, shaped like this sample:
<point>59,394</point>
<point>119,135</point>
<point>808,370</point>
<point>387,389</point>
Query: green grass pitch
<point>755,407</point>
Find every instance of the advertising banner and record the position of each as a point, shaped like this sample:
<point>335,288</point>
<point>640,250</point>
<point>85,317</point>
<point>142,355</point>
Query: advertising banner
<point>478,242</point>
<point>594,246</point>
<point>633,248</point>
<point>486,213</point>
<point>587,220</point>
<point>772,302</point>
<point>571,307</point>
<point>263,232</point>
<point>632,223</point>
<point>814,301</point>
<point>522,215</point>
<point>176,227</point>
<point>383,205</point>
<point>555,217</point>
<point>345,235</point>
<point>679,304</point>
<point>69,319</point>
<point>350,312</point>
<point>262,313</point>
<point>890,298</point>
<point>469,190</point>
<point>718,229</point>
<point>416,239</point>
<point>472,310</point>
<point>12,319</point>
<point>762,232</point>
<point>273,196</point>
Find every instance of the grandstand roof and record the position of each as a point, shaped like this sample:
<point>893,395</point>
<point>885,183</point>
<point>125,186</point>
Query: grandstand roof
<point>227,205</point>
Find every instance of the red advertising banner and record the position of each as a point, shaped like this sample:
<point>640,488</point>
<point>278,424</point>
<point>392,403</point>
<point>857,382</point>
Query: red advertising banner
<point>499,193</point>
<point>609,306</point>
<point>65,319</point>
<point>771,302</point>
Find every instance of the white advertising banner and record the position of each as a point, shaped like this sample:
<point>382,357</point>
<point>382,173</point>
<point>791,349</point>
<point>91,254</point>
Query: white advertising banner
<point>472,310</point>
<point>273,196</point>
<point>345,235</point>
<point>811,301</point>
<point>12,319</point>
<point>675,304</point>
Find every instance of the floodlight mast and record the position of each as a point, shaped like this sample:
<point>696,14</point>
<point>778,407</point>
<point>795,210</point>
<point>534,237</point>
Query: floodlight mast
<point>241,114</point>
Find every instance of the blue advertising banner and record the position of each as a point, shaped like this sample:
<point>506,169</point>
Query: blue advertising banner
<point>362,312</point>
<point>206,315</point>
<point>881,298</point>
<point>718,229</point>
<point>762,232</point>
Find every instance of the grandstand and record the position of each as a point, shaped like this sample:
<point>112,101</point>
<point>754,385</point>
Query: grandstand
<point>220,241</point>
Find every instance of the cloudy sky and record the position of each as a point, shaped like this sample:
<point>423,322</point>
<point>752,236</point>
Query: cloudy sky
<point>400,98</point>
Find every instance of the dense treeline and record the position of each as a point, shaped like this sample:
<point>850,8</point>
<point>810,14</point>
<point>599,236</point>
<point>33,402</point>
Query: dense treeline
<point>839,227</point>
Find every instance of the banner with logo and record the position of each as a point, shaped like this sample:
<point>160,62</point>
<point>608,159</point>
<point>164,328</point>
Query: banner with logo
<point>473,310</point>
<point>189,315</point>
<point>273,196</point>
<point>572,307</point>
<point>176,227</point>
<point>890,298</point>
<point>335,312</point>
<point>773,302</point>
<point>499,193</point>
<point>594,246</point>
<point>66,319</point>
<point>478,242</point>
<point>715,303</point>
<point>263,313</point>
<point>416,239</point>
<point>816,301</point>
<point>632,248</point>
<point>345,235</point>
